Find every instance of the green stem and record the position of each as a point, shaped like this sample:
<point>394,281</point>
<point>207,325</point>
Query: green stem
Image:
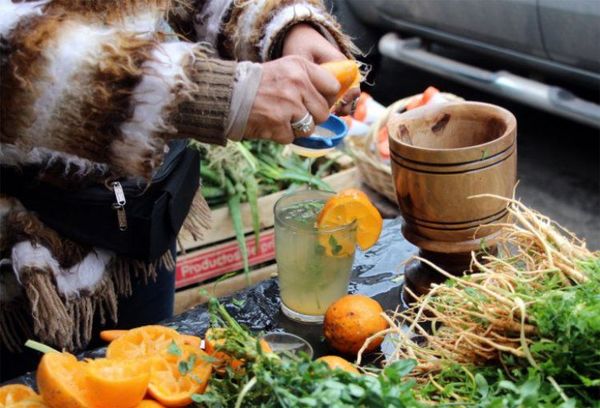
<point>42,348</point>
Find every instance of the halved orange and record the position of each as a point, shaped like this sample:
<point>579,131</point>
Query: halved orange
<point>60,379</point>
<point>36,402</point>
<point>149,404</point>
<point>112,335</point>
<point>145,341</point>
<point>174,379</point>
<point>14,393</point>
<point>117,383</point>
<point>348,206</point>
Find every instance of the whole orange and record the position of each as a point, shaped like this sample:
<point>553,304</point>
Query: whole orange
<point>351,320</point>
<point>336,362</point>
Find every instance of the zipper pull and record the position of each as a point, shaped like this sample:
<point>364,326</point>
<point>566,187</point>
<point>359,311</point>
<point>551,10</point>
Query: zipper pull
<point>119,205</point>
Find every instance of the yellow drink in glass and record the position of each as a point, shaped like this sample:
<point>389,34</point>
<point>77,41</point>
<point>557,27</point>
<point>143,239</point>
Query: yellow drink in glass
<point>314,265</point>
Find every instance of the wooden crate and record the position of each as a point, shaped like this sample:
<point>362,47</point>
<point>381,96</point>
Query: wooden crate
<point>218,253</point>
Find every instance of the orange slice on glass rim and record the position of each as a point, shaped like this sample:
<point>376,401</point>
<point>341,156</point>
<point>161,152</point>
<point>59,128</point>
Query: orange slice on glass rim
<point>175,378</point>
<point>349,206</point>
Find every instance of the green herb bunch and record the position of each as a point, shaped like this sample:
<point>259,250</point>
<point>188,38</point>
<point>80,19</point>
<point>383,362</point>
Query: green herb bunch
<point>271,380</point>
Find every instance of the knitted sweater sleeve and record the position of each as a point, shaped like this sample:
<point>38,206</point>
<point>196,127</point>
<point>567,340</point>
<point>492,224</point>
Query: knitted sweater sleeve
<point>254,30</point>
<point>103,95</point>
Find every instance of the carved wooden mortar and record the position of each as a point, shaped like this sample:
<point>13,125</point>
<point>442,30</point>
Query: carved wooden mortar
<point>442,155</point>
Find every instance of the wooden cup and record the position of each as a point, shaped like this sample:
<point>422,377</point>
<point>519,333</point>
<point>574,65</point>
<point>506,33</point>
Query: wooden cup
<point>441,156</point>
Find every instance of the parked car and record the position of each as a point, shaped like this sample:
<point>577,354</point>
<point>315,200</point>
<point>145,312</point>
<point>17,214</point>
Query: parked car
<point>544,53</point>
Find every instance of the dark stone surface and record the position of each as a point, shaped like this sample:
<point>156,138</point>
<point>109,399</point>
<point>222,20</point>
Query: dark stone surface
<point>377,273</point>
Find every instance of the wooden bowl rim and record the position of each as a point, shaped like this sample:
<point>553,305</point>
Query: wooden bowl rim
<point>445,155</point>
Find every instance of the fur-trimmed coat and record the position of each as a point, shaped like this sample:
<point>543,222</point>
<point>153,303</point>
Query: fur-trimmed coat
<point>92,90</point>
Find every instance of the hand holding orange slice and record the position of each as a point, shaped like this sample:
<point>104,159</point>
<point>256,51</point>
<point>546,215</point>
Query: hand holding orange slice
<point>349,206</point>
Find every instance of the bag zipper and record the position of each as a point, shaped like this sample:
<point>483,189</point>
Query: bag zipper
<point>119,205</point>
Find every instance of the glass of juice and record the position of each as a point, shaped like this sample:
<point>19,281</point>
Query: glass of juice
<point>314,264</point>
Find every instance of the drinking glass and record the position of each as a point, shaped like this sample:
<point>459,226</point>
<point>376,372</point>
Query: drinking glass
<point>314,264</point>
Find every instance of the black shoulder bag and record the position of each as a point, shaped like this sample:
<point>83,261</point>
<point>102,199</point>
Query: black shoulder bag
<point>133,220</point>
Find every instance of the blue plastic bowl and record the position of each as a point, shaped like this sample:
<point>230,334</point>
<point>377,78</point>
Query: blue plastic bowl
<point>333,124</point>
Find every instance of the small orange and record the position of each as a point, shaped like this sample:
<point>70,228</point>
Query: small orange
<point>173,387</point>
<point>145,341</point>
<point>60,379</point>
<point>348,206</point>
<point>13,393</point>
<point>350,320</point>
<point>149,404</point>
<point>347,74</point>
<point>336,362</point>
<point>117,383</point>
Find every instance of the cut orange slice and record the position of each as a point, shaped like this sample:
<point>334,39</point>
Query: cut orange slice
<point>149,404</point>
<point>349,206</point>
<point>112,335</point>
<point>347,74</point>
<point>36,402</point>
<point>145,341</point>
<point>174,379</point>
<point>60,379</point>
<point>14,393</point>
<point>117,383</point>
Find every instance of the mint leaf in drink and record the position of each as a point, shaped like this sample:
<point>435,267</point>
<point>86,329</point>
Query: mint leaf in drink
<point>320,249</point>
<point>336,248</point>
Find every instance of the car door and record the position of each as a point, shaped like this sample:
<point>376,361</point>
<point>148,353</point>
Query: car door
<point>508,24</point>
<point>571,32</point>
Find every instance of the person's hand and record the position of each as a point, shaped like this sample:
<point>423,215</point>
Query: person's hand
<point>289,88</point>
<point>305,41</point>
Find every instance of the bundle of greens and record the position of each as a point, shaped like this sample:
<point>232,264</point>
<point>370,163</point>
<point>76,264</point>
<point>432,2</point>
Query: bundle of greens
<point>272,380</point>
<point>523,329</point>
<point>243,171</point>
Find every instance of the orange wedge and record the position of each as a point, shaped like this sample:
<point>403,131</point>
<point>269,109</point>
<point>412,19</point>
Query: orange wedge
<point>61,381</point>
<point>12,394</point>
<point>117,383</point>
<point>347,74</point>
<point>174,379</point>
<point>349,206</point>
<point>111,335</point>
<point>145,341</point>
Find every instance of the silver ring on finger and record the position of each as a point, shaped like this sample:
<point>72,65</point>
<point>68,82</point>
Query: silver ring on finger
<point>305,126</point>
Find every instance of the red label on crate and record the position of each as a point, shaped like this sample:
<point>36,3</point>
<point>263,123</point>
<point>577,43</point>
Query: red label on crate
<point>220,259</point>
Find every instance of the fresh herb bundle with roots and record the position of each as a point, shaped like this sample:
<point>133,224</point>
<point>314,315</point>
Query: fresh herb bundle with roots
<point>533,310</point>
